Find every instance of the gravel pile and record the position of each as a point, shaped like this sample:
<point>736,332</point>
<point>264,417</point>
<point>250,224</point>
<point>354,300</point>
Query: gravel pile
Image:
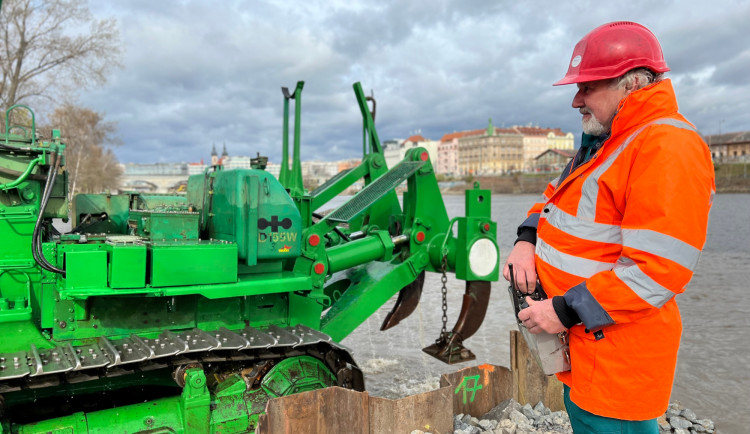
<point>510,417</point>
<point>681,420</point>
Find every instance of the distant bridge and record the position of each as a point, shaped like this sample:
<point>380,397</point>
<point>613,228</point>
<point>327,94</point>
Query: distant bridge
<point>162,183</point>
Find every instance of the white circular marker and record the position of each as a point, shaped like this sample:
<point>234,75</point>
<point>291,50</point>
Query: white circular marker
<point>576,61</point>
<point>483,257</point>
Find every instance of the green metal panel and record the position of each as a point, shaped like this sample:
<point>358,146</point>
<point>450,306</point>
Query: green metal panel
<point>164,225</point>
<point>15,295</point>
<point>251,208</point>
<point>159,202</point>
<point>115,207</point>
<point>86,269</point>
<point>195,192</point>
<point>234,210</point>
<point>478,203</point>
<point>305,310</point>
<point>174,263</point>
<point>477,232</point>
<point>17,272</point>
<point>279,225</point>
<point>127,264</point>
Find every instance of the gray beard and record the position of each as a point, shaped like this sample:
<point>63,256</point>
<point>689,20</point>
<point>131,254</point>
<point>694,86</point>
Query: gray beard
<point>593,127</point>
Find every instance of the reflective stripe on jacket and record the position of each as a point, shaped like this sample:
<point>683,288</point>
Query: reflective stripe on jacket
<point>618,238</point>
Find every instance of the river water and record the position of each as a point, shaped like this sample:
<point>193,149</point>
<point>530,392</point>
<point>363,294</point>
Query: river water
<point>712,377</point>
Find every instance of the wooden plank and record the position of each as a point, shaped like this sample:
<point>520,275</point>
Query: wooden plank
<point>332,410</point>
<point>476,390</point>
<point>429,411</point>
<point>531,384</point>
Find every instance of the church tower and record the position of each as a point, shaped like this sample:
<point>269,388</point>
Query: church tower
<point>224,155</point>
<point>214,156</point>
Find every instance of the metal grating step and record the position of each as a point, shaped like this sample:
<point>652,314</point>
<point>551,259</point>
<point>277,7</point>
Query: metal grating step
<point>370,194</point>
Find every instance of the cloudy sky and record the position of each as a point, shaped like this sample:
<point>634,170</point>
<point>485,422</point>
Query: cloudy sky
<point>197,73</point>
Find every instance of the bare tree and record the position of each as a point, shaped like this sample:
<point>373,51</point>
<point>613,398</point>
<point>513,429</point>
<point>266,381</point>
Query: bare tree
<point>92,166</point>
<point>53,46</point>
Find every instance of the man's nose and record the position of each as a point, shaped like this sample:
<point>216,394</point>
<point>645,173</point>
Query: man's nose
<point>578,100</point>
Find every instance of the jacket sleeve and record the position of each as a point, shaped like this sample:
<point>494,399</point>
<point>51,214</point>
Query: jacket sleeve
<point>668,194</point>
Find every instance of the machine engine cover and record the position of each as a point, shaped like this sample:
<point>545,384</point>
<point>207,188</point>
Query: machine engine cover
<point>250,208</point>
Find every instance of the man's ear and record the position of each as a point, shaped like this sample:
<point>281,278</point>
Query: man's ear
<point>634,84</point>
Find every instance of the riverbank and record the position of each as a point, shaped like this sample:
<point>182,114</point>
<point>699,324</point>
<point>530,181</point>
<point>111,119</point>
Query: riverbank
<point>730,178</point>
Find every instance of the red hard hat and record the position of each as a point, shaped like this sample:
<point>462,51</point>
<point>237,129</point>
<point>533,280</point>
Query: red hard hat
<point>613,49</point>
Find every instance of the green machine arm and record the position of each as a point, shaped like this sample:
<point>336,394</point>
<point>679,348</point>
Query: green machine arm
<point>292,179</point>
<point>368,271</point>
<point>389,248</point>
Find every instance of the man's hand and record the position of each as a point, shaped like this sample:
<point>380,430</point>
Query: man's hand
<point>540,316</point>
<point>522,258</point>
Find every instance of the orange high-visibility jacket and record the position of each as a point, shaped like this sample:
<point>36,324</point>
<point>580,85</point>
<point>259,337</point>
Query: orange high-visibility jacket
<point>618,238</point>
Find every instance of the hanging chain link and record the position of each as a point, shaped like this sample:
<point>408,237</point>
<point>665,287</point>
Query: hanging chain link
<point>444,279</point>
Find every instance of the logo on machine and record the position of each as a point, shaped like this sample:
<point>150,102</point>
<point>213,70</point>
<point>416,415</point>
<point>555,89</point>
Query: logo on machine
<point>274,223</point>
<point>275,236</point>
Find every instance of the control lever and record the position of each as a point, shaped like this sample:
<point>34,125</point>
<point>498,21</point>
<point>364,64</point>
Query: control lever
<point>551,351</point>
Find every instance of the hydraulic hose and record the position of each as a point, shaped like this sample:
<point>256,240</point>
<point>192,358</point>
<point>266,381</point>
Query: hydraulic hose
<point>35,251</point>
<point>36,241</point>
<point>24,175</point>
<point>36,238</point>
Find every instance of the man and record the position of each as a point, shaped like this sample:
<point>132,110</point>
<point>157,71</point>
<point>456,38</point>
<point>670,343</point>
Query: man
<point>618,234</point>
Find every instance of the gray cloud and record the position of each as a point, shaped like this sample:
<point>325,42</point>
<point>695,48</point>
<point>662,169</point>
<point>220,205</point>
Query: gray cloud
<point>197,74</point>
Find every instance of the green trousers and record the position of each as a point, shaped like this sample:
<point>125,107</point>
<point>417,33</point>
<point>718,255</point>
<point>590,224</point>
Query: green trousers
<point>584,422</point>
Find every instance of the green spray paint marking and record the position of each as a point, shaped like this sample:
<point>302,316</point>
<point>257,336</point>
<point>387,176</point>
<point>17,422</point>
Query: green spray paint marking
<point>465,386</point>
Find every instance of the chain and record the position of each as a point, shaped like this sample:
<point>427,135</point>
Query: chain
<point>444,279</point>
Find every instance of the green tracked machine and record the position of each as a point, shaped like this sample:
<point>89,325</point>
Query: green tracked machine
<point>187,313</point>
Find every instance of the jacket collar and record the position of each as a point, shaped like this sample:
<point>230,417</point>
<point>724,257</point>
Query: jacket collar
<point>644,105</point>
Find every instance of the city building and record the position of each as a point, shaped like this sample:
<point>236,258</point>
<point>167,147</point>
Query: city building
<point>559,140</point>
<point>492,151</point>
<point>274,169</point>
<point>394,151</point>
<point>431,146</point>
<point>196,168</point>
<point>537,140</point>
<point>729,147</point>
<point>552,160</point>
<point>236,162</point>
<point>315,173</point>
<point>348,164</point>
<point>447,162</point>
